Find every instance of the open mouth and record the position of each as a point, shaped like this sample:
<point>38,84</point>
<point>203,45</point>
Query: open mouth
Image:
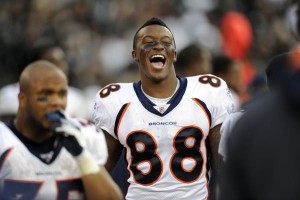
<point>157,61</point>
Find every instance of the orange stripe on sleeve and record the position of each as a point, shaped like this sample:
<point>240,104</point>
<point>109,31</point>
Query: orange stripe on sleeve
<point>4,157</point>
<point>121,118</point>
<point>204,110</point>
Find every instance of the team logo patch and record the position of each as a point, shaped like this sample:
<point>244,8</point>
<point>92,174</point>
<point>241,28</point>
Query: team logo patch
<point>161,108</point>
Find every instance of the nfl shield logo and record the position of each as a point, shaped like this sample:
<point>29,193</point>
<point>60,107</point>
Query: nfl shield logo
<point>162,109</point>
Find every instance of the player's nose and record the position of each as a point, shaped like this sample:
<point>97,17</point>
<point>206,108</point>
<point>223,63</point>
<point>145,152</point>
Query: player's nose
<point>158,46</point>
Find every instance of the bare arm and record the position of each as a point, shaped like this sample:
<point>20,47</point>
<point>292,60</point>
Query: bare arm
<point>114,151</point>
<point>97,182</point>
<point>101,186</point>
<point>215,160</point>
<point>214,139</point>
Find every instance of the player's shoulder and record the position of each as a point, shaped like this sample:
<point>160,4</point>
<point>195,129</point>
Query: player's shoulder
<point>233,117</point>
<point>115,90</point>
<point>206,81</point>
<point>86,126</point>
<point>3,129</point>
<point>236,115</point>
<point>7,137</point>
<point>113,96</point>
<point>210,89</point>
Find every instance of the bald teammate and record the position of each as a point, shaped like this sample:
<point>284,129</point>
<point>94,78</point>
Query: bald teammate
<point>47,155</point>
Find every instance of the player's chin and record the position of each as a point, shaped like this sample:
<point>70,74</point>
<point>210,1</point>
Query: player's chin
<point>158,77</point>
<point>46,124</point>
<point>162,73</point>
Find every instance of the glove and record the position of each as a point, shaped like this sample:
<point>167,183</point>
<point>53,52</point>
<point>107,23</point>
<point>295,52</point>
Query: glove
<point>69,134</point>
<point>71,138</point>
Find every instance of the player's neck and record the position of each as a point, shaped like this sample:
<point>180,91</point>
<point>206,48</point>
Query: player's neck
<point>29,131</point>
<point>162,89</point>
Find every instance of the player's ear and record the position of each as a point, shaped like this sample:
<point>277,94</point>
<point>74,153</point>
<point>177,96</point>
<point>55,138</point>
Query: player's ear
<point>134,56</point>
<point>175,56</point>
<point>22,99</point>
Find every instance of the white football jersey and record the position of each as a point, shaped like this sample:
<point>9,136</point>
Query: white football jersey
<point>166,148</point>
<point>226,129</point>
<point>25,176</point>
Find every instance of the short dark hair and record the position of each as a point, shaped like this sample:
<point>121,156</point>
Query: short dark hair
<point>221,64</point>
<point>188,56</point>
<point>152,21</point>
<point>277,70</point>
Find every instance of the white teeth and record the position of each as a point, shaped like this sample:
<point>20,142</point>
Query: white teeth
<point>157,56</point>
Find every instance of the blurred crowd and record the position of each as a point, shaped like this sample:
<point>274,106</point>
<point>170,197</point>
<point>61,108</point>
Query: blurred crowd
<point>96,35</point>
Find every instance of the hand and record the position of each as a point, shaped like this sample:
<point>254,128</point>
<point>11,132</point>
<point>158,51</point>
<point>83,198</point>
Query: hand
<point>69,134</point>
<point>72,139</point>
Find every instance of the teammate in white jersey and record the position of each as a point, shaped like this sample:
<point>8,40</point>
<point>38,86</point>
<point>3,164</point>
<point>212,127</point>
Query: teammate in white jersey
<point>226,129</point>
<point>46,155</point>
<point>168,126</point>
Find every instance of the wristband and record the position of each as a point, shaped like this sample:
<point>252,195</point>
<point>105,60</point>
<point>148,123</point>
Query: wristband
<point>86,163</point>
